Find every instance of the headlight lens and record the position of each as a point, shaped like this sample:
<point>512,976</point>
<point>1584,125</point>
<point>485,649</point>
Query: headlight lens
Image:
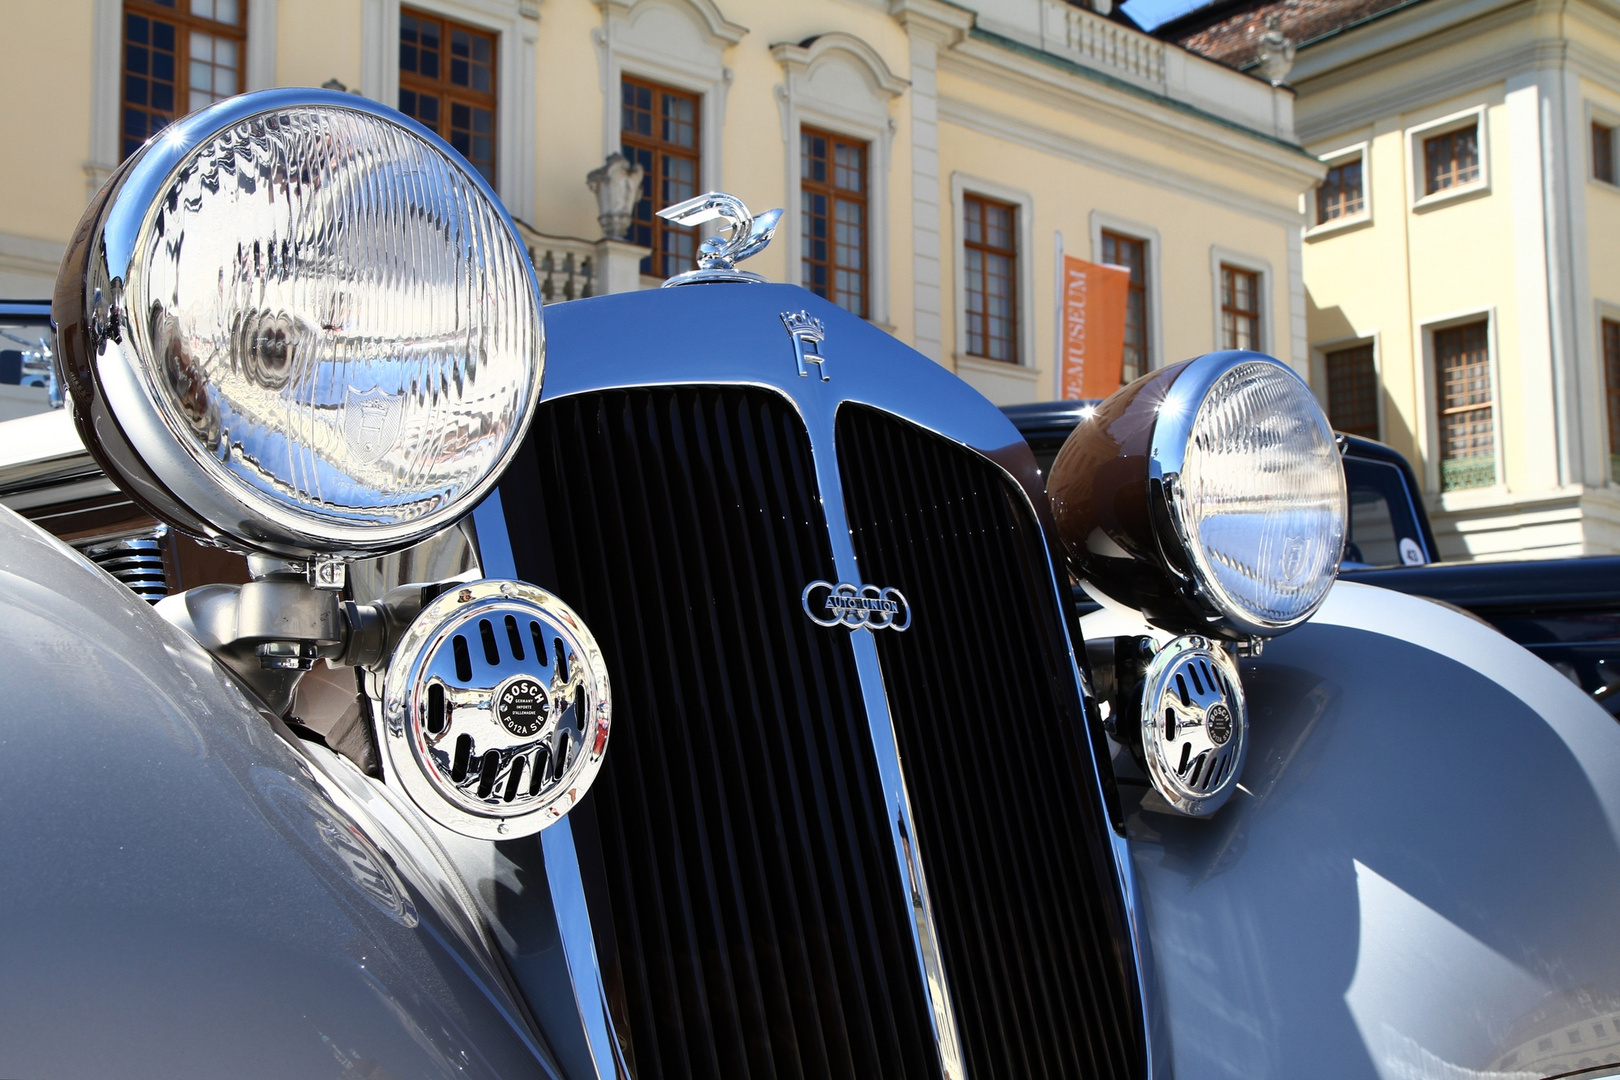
<point>326,312</point>
<point>1260,502</point>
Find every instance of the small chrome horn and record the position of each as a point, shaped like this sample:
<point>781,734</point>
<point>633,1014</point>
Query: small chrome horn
<point>1195,724</point>
<point>496,710</point>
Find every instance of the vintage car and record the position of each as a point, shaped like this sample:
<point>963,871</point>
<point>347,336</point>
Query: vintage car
<point>683,684</point>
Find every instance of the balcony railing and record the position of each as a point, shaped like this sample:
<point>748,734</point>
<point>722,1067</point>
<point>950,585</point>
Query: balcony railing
<point>564,265</point>
<point>1089,39</point>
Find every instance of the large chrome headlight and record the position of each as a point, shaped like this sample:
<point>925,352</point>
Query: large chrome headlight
<point>1209,495</point>
<point>299,322</point>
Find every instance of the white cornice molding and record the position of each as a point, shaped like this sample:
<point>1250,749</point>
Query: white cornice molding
<point>1411,31</point>
<point>30,257</point>
<point>799,59</point>
<point>1109,159</point>
<point>1438,84</point>
<point>720,27</point>
<point>1166,122</point>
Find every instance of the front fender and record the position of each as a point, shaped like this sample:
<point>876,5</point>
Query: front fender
<point>184,893</point>
<point>1417,877</point>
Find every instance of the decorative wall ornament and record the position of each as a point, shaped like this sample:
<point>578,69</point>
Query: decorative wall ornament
<point>617,186</point>
<point>1276,55</point>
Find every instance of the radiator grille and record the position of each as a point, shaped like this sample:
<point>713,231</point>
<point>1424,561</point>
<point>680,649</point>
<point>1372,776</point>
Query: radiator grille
<point>756,919</point>
<point>989,730</point>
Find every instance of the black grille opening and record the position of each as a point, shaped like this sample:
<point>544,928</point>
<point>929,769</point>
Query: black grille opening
<point>754,921</point>
<point>991,736</point>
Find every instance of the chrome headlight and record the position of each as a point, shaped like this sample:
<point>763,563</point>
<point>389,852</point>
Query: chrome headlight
<point>299,322</point>
<point>1210,495</point>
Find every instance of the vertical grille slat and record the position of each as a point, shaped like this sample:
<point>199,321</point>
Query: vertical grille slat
<point>992,739</point>
<point>755,916</point>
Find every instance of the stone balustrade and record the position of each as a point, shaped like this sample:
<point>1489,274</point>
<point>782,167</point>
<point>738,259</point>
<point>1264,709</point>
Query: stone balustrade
<point>564,265</point>
<point>1089,39</point>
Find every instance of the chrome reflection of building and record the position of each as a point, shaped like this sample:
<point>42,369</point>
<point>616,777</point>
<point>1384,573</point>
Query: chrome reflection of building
<point>1579,1029</point>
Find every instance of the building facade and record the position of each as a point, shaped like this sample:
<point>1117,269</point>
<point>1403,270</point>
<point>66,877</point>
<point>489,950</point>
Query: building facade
<point>1463,289</point>
<point>935,158</point>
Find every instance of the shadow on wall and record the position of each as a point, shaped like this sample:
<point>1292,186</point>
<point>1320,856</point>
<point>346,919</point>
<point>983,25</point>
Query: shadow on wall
<point>1331,324</point>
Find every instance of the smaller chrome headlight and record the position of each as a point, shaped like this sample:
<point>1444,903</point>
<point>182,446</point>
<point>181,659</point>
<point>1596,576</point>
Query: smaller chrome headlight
<point>1209,495</point>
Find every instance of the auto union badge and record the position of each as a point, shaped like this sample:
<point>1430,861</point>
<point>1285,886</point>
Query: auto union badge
<point>856,606</point>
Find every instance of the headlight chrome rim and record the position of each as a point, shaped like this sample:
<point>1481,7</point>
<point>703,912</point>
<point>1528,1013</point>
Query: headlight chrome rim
<point>1173,432</point>
<point>1118,492</point>
<point>120,412</point>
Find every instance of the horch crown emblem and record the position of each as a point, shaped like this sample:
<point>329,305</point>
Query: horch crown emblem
<point>807,332</point>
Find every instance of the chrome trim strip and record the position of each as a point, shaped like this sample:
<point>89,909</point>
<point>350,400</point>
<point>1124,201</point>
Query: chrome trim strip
<point>562,861</point>
<point>821,420</point>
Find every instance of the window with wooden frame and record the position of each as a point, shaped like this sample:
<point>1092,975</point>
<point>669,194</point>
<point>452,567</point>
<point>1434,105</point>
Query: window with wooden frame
<point>179,56</point>
<point>447,83</point>
<point>1353,391</point>
<point>1131,253</point>
<point>1451,160</point>
<point>658,127</point>
<point>1341,194</point>
<point>1467,411</point>
<point>1602,152</point>
<point>1240,308</point>
<point>834,218</point>
<point>1611,379</point>
<point>990,266</point>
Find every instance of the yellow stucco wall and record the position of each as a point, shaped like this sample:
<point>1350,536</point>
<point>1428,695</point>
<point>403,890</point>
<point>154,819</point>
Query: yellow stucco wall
<point>48,79</point>
<point>1065,195</point>
<point>318,40</point>
<point>1530,251</point>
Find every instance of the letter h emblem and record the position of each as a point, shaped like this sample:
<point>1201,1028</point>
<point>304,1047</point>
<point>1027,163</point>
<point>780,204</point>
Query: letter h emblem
<point>808,333</point>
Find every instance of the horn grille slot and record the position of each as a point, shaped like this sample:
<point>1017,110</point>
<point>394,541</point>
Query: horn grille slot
<point>488,737</point>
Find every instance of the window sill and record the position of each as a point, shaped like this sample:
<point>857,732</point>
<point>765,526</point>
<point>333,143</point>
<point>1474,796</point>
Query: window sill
<point>1339,225</point>
<point>1477,189</point>
<point>1004,368</point>
<point>1473,498</point>
<point>1001,382</point>
<point>1604,185</point>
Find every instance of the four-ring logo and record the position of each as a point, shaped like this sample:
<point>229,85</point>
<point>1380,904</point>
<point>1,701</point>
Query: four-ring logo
<point>855,606</point>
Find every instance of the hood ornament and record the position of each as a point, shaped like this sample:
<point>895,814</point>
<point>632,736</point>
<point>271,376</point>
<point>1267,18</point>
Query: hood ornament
<point>717,258</point>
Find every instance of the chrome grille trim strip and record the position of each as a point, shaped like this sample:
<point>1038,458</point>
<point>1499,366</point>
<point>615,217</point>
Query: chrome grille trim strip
<point>562,863</point>
<point>919,905</point>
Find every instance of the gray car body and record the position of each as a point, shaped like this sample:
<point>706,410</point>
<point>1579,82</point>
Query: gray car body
<point>1419,866</point>
<point>187,894</point>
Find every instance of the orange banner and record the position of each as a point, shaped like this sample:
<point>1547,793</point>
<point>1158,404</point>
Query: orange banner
<point>1093,329</point>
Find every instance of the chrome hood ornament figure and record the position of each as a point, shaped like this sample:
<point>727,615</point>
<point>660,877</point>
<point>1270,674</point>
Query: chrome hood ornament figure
<point>718,257</point>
